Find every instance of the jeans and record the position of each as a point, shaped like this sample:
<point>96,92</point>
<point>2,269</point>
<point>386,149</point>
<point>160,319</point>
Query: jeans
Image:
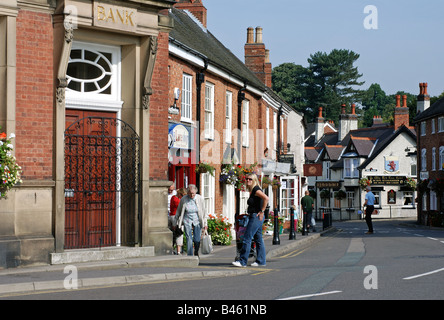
<point>368,217</point>
<point>195,237</point>
<point>253,231</point>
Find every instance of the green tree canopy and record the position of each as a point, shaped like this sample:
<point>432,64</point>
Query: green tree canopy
<point>330,80</point>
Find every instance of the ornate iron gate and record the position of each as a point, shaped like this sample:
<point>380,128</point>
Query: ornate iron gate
<point>102,183</point>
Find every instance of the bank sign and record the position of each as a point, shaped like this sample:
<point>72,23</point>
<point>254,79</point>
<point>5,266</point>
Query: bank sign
<point>115,17</point>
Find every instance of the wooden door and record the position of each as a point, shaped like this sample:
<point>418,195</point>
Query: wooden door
<point>90,179</point>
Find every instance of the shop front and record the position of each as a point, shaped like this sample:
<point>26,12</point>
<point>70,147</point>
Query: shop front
<point>89,66</point>
<point>181,154</point>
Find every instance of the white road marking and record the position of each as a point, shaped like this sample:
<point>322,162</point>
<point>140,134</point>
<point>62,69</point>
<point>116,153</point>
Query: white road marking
<point>310,295</point>
<point>423,274</point>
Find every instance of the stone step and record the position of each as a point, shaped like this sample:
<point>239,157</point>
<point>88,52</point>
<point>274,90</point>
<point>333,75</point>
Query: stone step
<point>100,254</point>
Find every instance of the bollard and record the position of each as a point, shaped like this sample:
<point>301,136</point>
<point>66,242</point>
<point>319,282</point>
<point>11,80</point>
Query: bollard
<point>292,232</point>
<point>276,239</point>
<point>304,224</point>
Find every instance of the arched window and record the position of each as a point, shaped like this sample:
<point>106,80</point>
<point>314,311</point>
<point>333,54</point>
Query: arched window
<point>93,75</point>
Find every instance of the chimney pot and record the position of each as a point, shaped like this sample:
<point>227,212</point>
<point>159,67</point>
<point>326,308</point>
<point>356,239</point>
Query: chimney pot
<point>404,101</point>
<point>425,88</point>
<point>320,112</point>
<point>398,101</point>
<point>353,109</point>
<point>250,35</point>
<point>343,109</point>
<point>259,35</point>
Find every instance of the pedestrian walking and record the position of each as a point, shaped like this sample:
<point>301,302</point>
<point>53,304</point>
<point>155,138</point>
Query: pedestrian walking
<point>307,204</point>
<point>257,202</point>
<point>177,232</point>
<point>370,207</point>
<point>192,215</point>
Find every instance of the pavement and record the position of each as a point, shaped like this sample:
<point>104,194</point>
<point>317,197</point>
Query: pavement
<point>27,280</point>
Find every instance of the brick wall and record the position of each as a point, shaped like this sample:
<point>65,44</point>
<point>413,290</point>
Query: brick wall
<point>159,113</point>
<point>34,99</point>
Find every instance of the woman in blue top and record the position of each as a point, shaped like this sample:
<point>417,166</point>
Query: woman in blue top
<point>257,202</point>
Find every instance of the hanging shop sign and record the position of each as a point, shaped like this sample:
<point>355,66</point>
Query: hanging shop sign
<point>178,136</point>
<point>312,169</point>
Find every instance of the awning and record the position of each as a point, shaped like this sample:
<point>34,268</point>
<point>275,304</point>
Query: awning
<point>277,168</point>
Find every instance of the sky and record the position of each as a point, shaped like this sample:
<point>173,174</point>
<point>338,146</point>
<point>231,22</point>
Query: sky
<point>400,42</point>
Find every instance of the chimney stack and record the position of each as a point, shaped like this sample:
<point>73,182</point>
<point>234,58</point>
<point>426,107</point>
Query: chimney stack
<point>423,99</point>
<point>347,122</point>
<point>401,113</point>
<point>319,131</point>
<point>195,7</point>
<point>257,58</point>
<point>377,120</point>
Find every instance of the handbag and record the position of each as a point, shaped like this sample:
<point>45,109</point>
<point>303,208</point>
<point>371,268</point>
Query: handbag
<point>178,232</point>
<point>207,244</point>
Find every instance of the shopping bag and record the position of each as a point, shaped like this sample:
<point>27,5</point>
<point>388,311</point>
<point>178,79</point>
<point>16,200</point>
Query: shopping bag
<point>207,245</point>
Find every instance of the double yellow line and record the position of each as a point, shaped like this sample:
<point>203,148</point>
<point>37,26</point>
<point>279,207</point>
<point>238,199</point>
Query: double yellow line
<point>292,253</point>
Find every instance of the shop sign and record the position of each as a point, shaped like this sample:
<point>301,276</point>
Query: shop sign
<point>387,180</point>
<point>312,169</point>
<point>178,136</point>
<point>114,17</point>
<point>391,197</point>
<point>328,184</point>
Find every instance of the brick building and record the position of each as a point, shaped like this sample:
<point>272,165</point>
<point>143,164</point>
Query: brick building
<point>430,127</point>
<point>83,86</point>
<point>223,110</point>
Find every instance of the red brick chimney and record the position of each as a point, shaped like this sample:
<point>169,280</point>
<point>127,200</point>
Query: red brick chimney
<point>196,7</point>
<point>257,58</point>
<point>423,99</point>
<point>401,113</point>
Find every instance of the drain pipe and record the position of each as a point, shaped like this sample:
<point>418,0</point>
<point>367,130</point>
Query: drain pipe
<point>200,79</point>
<point>240,99</point>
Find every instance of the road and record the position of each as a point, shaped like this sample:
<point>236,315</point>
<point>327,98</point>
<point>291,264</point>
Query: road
<point>399,261</point>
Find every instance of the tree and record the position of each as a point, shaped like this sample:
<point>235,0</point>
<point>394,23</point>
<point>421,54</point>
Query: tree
<point>329,81</point>
<point>374,102</point>
<point>290,82</point>
<point>334,80</point>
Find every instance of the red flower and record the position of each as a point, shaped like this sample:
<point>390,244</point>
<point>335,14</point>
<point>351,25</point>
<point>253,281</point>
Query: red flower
<point>2,135</point>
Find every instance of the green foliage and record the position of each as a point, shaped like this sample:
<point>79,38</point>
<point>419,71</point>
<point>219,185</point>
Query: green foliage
<point>220,230</point>
<point>330,80</point>
<point>10,171</point>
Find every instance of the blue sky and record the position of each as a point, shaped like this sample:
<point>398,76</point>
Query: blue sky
<point>406,48</point>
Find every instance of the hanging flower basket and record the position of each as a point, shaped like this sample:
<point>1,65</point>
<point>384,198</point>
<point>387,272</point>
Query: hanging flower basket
<point>340,194</point>
<point>235,174</point>
<point>275,183</point>
<point>228,174</point>
<point>203,167</point>
<point>410,183</point>
<point>10,171</point>
<point>325,194</point>
<point>364,182</point>
<point>265,182</point>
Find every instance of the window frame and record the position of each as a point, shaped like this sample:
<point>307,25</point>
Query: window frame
<point>209,111</point>
<point>186,105</point>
